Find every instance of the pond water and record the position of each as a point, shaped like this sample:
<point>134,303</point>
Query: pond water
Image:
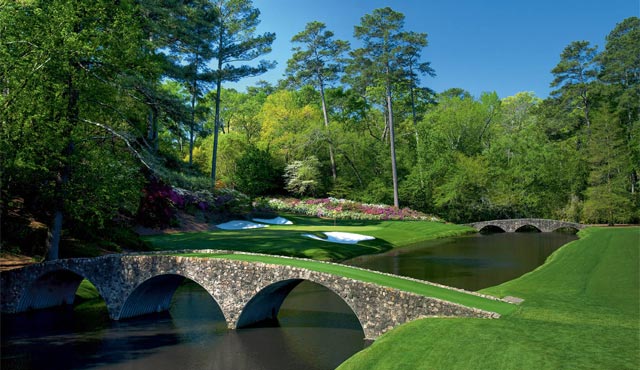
<point>470,262</point>
<point>317,330</point>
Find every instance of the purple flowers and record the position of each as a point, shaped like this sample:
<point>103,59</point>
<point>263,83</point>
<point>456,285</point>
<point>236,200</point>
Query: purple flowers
<point>346,209</point>
<point>160,203</point>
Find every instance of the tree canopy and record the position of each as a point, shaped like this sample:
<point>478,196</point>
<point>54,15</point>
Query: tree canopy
<point>105,104</point>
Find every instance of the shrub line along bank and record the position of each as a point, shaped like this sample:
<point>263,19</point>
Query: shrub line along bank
<point>345,209</point>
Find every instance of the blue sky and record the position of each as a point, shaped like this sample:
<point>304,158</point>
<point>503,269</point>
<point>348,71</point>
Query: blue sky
<point>503,46</point>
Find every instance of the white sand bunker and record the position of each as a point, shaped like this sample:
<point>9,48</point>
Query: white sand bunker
<point>273,221</point>
<point>340,237</point>
<point>240,225</point>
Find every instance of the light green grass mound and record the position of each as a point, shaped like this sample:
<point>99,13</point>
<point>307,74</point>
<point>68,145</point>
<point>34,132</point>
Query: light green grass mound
<point>287,240</point>
<point>581,311</point>
<point>391,281</point>
<point>88,299</point>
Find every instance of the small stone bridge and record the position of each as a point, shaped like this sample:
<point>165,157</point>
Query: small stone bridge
<point>512,225</point>
<point>246,292</point>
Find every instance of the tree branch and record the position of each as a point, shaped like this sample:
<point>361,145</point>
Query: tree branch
<point>123,138</point>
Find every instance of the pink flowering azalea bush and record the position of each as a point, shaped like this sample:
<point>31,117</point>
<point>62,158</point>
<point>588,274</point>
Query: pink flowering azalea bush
<point>160,203</point>
<point>345,209</point>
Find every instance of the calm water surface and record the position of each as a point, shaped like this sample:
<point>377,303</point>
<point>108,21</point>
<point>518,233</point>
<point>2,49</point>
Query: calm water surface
<point>469,262</point>
<point>317,329</point>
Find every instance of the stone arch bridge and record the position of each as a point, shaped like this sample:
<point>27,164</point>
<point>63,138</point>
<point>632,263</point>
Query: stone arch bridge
<point>246,292</point>
<point>512,225</point>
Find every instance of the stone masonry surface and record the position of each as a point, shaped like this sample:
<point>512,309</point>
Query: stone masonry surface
<point>134,285</point>
<point>512,225</point>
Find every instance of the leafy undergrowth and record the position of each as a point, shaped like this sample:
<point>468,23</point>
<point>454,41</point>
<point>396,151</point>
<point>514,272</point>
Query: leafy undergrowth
<point>581,311</point>
<point>287,240</point>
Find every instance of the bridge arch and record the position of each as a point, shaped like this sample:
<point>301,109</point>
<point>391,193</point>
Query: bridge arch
<point>491,229</point>
<point>264,306</point>
<point>154,295</point>
<point>512,225</point>
<point>528,228</point>
<point>50,289</point>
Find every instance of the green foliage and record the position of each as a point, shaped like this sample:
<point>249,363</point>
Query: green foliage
<point>463,191</point>
<point>385,64</point>
<point>90,105</point>
<point>318,64</point>
<point>257,174</point>
<point>65,66</point>
<point>608,200</point>
<point>377,191</point>
<point>106,183</point>
<point>320,61</point>
<point>287,125</point>
<point>231,203</point>
<point>239,113</point>
<point>236,42</point>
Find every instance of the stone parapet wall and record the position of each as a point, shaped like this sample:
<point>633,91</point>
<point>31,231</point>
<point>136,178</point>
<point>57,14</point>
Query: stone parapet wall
<point>133,285</point>
<point>512,225</point>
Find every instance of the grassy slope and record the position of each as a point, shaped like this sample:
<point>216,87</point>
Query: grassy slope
<point>376,278</point>
<point>582,311</point>
<point>287,240</point>
<point>88,299</point>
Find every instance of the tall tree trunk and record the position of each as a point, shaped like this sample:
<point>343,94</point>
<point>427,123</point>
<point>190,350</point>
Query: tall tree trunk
<point>586,110</point>
<point>194,95</point>
<point>192,123</point>
<point>353,167</point>
<point>152,128</point>
<point>53,236</point>
<point>216,128</point>
<point>419,153</point>
<point>216,121</point>
<point>334,173</point>
<point>392,139</point>
<point>55,232</point>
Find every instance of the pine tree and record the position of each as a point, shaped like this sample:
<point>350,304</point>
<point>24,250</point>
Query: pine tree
<point>319,63</point>
<point>236,42</point>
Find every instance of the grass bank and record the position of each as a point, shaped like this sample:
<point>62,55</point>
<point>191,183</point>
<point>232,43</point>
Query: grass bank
<point>89,300</point>
<point>287,240</point>
<point>417,287</point>
<point>581,311</point>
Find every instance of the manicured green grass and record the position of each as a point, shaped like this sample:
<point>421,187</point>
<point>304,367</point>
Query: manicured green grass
<point>376,278</point>
<point>287,240</point>
<point>87,291</point>
<point>581,311</point>
<point>88,299</point>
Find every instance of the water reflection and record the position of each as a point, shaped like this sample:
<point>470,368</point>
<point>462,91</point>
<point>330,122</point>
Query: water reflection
<point>471,262</point>
<point>317,331</point>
